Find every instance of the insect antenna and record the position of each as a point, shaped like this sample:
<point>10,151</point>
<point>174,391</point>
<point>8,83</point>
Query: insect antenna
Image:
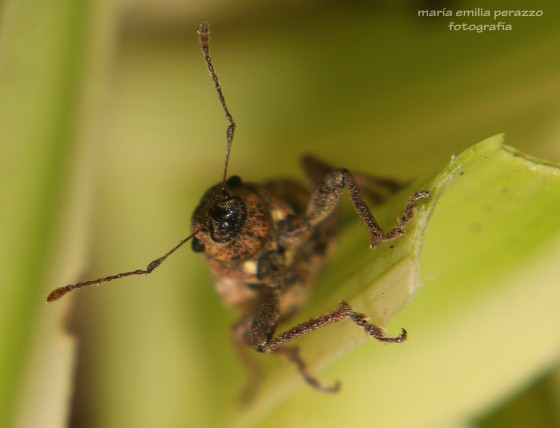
<point>61,291</point>
<point>204,37</point>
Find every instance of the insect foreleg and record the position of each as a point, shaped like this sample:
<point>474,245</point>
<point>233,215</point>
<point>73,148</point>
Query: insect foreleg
<point>342,312</point>
<point>264,342</point>
<point>266,316</point>
<point>376,188</point>
<point>326,197</point>
<point>265,319</point>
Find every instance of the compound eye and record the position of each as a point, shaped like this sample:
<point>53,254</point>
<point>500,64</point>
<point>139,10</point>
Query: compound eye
<point>197,246</point>
<point>227,220</point>
<point>234,181</point>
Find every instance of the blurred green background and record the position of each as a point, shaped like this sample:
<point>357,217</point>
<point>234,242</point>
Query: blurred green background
<point>111,130</point>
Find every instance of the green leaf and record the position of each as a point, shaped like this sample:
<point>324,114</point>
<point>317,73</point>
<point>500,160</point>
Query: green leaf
<point>484,322</point>
<point>49,61</point>
<point>158,353</point>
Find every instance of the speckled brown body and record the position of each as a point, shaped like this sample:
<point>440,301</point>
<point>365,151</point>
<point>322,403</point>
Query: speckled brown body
<point>265,245</point>
<point>256,257</point>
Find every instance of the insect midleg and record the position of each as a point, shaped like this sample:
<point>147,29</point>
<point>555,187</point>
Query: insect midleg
<point>291,353</point>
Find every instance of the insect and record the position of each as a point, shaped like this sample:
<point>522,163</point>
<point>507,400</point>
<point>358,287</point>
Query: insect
<point>265,244</point>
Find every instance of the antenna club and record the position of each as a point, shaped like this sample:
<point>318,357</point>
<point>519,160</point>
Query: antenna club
<point>57,294</point>
<point>204,33</point>
<point>61,291</point>
<point>154,265</point>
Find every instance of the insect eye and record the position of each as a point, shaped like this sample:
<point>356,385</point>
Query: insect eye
<point>227,220</point>
<point>197,246</point>
<point>234,181</point>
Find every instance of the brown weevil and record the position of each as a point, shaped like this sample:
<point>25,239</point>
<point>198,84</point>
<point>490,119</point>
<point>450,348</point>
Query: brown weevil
<point>265,244</point>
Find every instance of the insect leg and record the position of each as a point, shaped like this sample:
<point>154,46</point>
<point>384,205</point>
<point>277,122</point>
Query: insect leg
<point>375,187</point>
<point>326,197</point>
<point>292,355</point>
<point>265,319</point>
<point>342,312</point>
<point>266,316</point>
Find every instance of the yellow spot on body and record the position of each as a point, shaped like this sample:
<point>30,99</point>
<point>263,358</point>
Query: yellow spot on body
<point>278,215</point>
<point>250,267</point>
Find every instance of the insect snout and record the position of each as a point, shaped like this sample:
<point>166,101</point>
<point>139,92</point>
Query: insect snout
<point>226,218</point>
